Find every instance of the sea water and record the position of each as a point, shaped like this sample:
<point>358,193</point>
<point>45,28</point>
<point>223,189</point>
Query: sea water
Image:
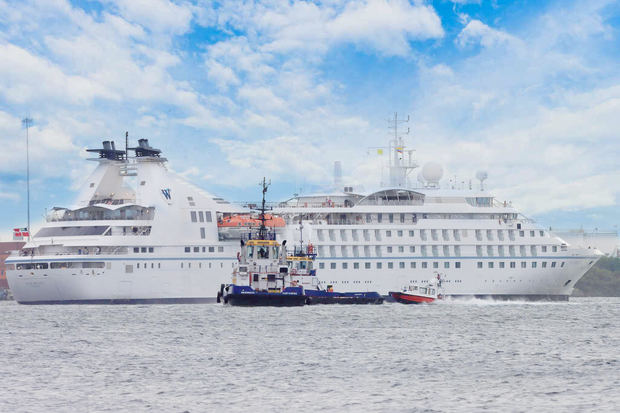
<point>452,356</point>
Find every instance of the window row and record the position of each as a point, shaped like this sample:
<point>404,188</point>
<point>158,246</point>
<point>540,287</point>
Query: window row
<point>200,216</point>
<point>513,264</point>
<point>203,249</point>
<point>423,234</point>
<point>138,250</point>
<point>390,265</point>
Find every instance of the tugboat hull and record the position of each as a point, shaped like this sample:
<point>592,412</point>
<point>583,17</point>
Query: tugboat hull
<point>405,298</point>
<point>265,300</point>
<point>248,297</point>
<point>326,297</point>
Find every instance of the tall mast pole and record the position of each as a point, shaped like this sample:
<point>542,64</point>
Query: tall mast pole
<point>27,122</point>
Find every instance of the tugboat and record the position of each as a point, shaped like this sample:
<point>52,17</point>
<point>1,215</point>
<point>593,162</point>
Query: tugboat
<point>414,294</point>
<point>261,276</point>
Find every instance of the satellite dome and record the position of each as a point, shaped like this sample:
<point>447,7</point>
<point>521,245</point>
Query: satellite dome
<point>432,172</point>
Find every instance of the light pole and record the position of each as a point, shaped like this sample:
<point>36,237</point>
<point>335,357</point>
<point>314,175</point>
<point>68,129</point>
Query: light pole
<point>27,122</point>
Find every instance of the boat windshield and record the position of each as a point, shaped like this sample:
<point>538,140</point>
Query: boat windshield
<point>261,251</point>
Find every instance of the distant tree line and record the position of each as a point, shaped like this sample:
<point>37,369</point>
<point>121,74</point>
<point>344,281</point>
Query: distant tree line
<point>602,280</point>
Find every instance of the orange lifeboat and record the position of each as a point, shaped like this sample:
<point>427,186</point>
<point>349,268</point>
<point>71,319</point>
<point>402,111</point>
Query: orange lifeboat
<point>248,221</point>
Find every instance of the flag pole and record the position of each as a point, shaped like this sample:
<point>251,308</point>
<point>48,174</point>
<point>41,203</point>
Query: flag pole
<point>27,122</point>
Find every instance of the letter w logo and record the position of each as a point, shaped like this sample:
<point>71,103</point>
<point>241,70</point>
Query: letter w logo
<point>166,193</point>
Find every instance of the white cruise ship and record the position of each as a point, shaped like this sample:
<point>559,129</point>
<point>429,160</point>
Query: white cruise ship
<point>138,233</point>
<point>400,235</point>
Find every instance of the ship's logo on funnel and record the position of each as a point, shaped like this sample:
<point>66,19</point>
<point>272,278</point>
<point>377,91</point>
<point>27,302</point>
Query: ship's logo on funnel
<point>166,193</point>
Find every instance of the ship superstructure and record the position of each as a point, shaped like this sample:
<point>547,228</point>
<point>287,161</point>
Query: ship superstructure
<point>137,233</point>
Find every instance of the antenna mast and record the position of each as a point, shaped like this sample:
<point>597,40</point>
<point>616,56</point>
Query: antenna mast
<point>126,146</point>
<point>27,122</point>
<point>399,165</point>
<point>262,232</point>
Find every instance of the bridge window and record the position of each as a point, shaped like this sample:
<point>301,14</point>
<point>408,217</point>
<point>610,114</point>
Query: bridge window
<point>193,216</point>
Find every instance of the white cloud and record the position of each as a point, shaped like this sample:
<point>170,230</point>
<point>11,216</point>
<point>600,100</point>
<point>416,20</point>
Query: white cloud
<point>385,26</point>
<point>477,32</point>
<point>284,157</point>
<point>157,15</point>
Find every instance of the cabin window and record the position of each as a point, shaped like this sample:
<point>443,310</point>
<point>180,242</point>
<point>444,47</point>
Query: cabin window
<point>391,218</point>
<point>208,216</point>
<point>201,216</point>
<point>400,233</point>
<point>151,249</point>
<point>554,248</point>
<point>412,264</point>
<point>321,265</point>
<point>345,265</point>
<point>425,265</point>
<point>143,249</point>
<point>136,250</point>
<point>128,268</point>
<point>332,265</point>
<point>479,264</point>
<point>379,217</point>
<point>196,249</point>
<point>389,249</point>
<point>532,234</point>
<point>388,233</point>
<point>203,233</point>
<point>446,264</point>
<point>211,249</point>
<point>533,264</point>
<point>411,233</point>
<point>523,264</point>
<point>220,249</point>
<point>490,264</point>
<point>435,264</point>
<point>390,265</point>
<point>192,215</point>
<point>356,265</point>
<point>542,233</point>
<point>138,265</point>
<point>412,249</point>
<point>367,265</point>
<point>512,264</point>
<point>543,248</point>
<point>159,265</point>
<point>457,264</point>
<point>521,233</point>
<point>502,264</point>
<point>401,265</point>
<point>562,264</point>
<point>188,249</point>
<point>181,265</point>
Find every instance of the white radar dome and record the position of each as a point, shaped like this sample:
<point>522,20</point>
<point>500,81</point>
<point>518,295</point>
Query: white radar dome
<point>432,172</point>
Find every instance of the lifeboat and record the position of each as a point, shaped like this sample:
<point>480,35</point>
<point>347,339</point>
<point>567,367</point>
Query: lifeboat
<point>247,221</point>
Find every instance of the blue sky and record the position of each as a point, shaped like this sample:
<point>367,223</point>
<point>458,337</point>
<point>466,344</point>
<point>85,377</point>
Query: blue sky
<point>526,90</point>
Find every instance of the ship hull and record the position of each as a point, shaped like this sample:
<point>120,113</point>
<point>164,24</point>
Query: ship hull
<point>112,285</point>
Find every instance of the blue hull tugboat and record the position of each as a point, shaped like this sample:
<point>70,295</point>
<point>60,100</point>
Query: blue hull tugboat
<point>261,275</point>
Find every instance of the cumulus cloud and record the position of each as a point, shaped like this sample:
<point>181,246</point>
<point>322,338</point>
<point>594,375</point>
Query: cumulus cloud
<point>476,32</point>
